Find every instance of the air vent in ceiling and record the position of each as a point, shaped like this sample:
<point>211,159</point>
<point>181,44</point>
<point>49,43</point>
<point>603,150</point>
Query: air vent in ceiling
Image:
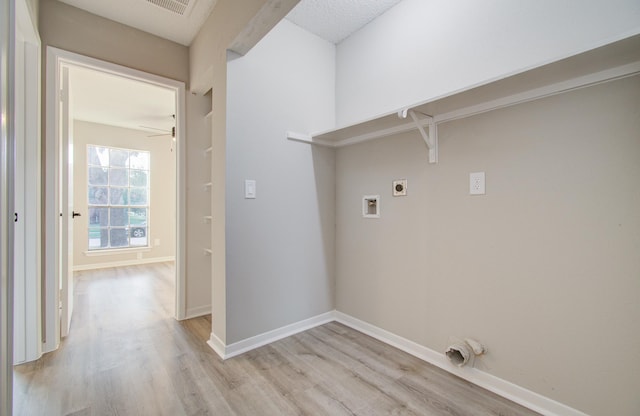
<point>181,7</point>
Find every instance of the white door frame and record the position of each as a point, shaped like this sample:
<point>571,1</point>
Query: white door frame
<point>56,58</point>
<point>65,240</point>
<point>7,26</point>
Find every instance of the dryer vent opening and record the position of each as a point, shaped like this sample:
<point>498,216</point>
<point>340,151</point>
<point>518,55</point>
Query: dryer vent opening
<point>458,354</point>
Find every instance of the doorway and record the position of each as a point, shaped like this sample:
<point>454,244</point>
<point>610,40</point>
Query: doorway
<point>109,129</point>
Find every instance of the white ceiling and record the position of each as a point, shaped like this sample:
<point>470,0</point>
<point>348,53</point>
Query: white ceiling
<point>108,99</point>
<point>151,18</point>
<point>335,20</point>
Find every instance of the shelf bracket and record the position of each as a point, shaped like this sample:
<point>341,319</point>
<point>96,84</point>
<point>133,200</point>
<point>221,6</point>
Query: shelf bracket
<point>431,137</point>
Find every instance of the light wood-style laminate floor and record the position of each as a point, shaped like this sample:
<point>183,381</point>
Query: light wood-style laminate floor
<point>126,355</point>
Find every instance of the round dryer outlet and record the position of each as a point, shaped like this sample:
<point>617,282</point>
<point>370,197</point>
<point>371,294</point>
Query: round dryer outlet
<point>400,187</point>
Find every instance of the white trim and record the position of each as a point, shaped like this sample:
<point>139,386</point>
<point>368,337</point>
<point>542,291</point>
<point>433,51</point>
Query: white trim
<point>122,263</point>
<point>7,107</point>
<point>240,347</point>
<point>305,138</point>
<point>217,345</point>
<point>181,202</point>
<point>51,331</point>
<point>378,134</point>
<point>504,388</point>
<point>573,84</point>
<point>198,311</point>
<point>115,252</point>
<point>513,392</point>
<point>56,58</point>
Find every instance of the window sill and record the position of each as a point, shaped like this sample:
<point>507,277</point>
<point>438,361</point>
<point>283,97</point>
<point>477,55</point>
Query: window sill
<point>111,252</point>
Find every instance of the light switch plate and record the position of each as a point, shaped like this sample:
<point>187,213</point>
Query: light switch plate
<point>250,189</point>
<point>476,183</point>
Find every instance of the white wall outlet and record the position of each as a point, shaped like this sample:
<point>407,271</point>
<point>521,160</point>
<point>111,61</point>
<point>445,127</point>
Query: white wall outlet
<point>476,183</point>
<point>156,242</point>
<point>371,206</point>
<point>250,189</point>
<point>400,187</point>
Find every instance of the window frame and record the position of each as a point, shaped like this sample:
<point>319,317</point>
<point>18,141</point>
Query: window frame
<point>108,205</point>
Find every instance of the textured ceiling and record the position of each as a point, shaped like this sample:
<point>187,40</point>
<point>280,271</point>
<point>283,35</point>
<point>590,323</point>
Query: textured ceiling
<point>335,20</point>
<point>152,18</point>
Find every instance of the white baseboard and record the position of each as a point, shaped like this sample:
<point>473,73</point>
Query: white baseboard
<point>513,392</point>
<point>506,389</point>
<point>240,347</point>
<point>198,311</point>
<point>122,263</point>
<point>217,345</point>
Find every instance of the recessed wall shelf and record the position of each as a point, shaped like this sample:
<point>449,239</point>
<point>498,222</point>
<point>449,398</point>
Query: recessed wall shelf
<point>204,232</point>
<point>607,63</point>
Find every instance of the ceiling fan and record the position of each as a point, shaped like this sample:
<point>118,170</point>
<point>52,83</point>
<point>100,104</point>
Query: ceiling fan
<point>165,132</point>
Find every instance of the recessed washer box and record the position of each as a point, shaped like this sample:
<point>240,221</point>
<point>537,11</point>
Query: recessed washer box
<point>371,206</point>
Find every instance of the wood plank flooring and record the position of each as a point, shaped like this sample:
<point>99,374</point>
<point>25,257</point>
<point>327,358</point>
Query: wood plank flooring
<point>126,355</point>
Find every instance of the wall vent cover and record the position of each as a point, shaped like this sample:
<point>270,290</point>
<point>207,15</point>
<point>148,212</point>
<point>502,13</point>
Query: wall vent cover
<point>180,7</point>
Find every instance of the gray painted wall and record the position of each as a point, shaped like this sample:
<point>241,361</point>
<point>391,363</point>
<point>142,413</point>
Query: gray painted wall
<point>280,246</point>
<point>544,269</point>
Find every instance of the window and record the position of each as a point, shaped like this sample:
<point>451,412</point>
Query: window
<point>118,191</point>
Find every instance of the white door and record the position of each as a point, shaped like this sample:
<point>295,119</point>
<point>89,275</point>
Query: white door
<point>19,309</point>
<point>27,238</point>
<point>6,176</point>
<point>66,201</point>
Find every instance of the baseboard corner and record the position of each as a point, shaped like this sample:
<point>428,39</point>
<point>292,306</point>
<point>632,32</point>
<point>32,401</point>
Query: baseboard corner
<point>217,345</point>
<point>198,312</point>
<point>257,341</point>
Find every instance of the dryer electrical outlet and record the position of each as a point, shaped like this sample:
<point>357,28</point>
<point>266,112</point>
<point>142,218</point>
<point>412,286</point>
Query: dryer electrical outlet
<point>400,187</point>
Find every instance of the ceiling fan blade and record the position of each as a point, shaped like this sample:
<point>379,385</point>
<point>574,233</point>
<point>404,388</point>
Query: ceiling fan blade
<point>154,128</point>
